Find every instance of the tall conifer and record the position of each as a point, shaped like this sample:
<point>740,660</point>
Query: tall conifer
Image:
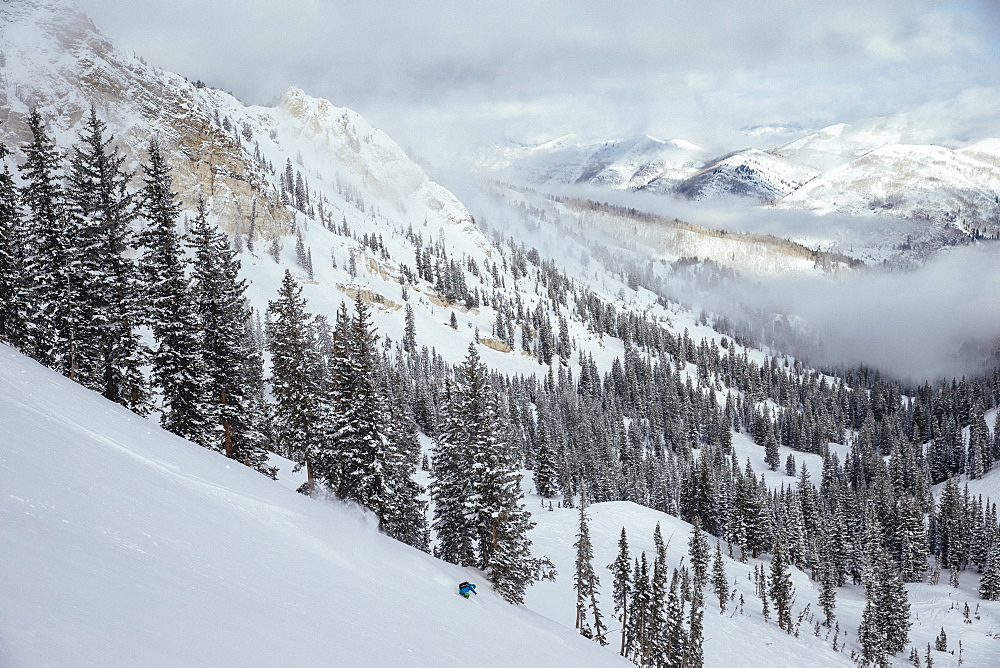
<point>179,370</point>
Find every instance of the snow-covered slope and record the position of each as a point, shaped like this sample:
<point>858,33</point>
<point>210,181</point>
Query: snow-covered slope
<point>930,183</point>
<point>125,545</point>
<point>358,180</point>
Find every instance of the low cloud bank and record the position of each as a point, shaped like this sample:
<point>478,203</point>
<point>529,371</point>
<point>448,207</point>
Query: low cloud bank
<point>939,321</point>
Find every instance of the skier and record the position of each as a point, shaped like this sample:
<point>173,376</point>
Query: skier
<point>465,588</point>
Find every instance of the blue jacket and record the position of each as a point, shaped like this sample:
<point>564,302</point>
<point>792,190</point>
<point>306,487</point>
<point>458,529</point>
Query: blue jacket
<point>466,588</point>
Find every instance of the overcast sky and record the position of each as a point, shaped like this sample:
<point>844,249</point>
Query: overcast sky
<point>434,72</point>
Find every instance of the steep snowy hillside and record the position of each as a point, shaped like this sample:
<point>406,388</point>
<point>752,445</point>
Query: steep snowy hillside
<point>303,168</point>
<point>125,545</point>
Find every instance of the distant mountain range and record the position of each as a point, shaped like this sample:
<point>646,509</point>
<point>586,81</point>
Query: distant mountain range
<point>938,166</point>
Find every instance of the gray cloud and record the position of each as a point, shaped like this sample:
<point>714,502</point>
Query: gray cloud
<point>443,69</point>
<point>939,321</point>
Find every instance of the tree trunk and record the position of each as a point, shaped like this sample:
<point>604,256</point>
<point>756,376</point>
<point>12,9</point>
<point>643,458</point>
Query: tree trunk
<point>228,438</point>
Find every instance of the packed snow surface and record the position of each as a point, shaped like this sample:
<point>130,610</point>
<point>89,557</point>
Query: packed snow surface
<point>125,545</point>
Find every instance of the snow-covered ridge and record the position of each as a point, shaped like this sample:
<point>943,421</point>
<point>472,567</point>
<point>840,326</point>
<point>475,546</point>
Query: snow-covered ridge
<point>621,164</point>
<point>55,59</point>
<point>752,173</point>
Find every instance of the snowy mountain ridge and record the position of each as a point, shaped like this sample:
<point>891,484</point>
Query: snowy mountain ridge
<point>935,166</point>
<point>55,59</point>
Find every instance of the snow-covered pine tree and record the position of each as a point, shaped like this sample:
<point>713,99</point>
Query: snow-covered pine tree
<point>989,583</point>
<point>827,576</point>
<point>501,520</point>
<point>359,417</point>
<point>300,422</point>
<point>111,355</point>
<point>50,255</point>
<point>234,365</point>
<point>698,551</point>
<point>586,582</point>
<point>13,288</point>
<point>771,455</point>
<point>911,537</point>
<point>637,628</point>
<point>405,516</point>
<point>694,656</point>
<point>622,585</point>
<point>673,644</point>
<point>978,460</point>
<point>885,622</point>
<point>178,368</point>
<point>410,331</point>
<point>451,487</point>
<point>781,584</point>
<point>720,581</point>
<point>546,473</point>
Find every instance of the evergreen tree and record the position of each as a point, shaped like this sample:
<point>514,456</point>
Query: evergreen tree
<point>989,583</point>
<point>410,332</point>
<point>301,422</point>
<point>405,517</point>
<point>659,632</point>
<point>941,641</point>
<point>781,584</point>
<point>546,474</point>
<point>178,368</point>
<point>50,266</point>
<point>622,591</point>
<point>111,355</point>
<point>771,455</point>
<point>586,582</point>
<point>675,638</point>
<point>234,365</point>
<point>359,419</point>
<point>912,540</point>
<point>885,623</point>
<point>828,589</point>
<point>694,656</point>
<point>490,507</point>
<point>451,487</point>
<point>720,582</point>
<point>637,629</point>
<point>699,554</point>
<point>13,286</point>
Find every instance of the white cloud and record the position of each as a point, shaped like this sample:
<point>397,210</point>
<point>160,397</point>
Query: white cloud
<point>444,70</point>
